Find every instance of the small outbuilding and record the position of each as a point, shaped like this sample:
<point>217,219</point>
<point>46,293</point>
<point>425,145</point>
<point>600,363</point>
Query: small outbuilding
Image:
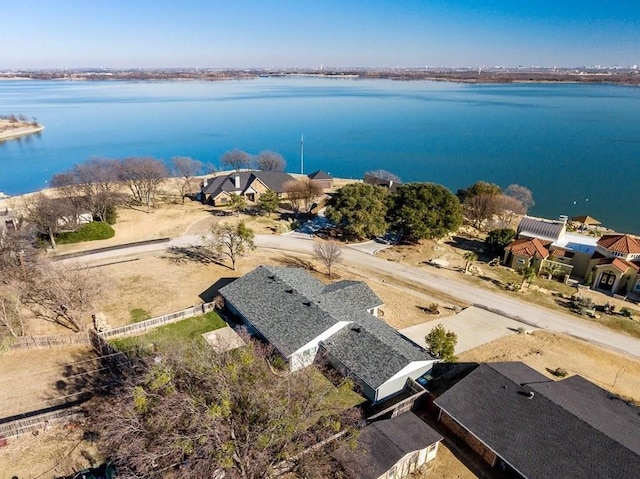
<point>391,448</point>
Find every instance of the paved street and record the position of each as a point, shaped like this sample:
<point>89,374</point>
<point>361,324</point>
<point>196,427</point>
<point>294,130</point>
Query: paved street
<point>507,304</point>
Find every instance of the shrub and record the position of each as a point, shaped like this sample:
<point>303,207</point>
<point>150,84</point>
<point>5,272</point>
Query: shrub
<point>626,312</point>
<point>560,372</point>
<point>98,230</point>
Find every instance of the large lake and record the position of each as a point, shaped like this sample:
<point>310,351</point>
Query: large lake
<point>577,147</point>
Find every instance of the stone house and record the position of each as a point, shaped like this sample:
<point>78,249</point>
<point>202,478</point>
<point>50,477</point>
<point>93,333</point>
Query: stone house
<point>217,191</point>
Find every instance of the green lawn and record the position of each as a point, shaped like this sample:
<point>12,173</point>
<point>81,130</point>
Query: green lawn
<point>164,337</point>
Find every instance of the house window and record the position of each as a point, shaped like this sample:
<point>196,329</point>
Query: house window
<point>520,261</point>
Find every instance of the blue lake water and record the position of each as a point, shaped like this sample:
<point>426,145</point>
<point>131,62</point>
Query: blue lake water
<point>577,147</point>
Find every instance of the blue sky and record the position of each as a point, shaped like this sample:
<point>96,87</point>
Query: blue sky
<point>310,33</point>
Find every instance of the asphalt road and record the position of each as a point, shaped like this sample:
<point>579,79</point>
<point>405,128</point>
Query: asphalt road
<point>530,314</point>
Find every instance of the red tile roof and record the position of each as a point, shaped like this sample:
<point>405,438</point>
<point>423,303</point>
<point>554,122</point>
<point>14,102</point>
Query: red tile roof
<point>528,247</point>
<point>561,252</point>
<point>619,264</point>
<point>625,244</point>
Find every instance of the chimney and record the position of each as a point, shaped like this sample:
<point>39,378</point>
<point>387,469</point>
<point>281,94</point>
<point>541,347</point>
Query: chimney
<point>204,183</point>
<point>237,181</point>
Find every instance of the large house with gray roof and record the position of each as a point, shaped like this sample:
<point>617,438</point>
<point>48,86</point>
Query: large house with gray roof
<point>249,184</point>
<point>533,427</point>
<point>304,319</point>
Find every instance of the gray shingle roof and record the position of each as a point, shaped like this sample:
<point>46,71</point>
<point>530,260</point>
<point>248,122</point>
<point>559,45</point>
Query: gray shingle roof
<point>569,428</point>
<point>277,302</point>
<point>290,308</point>
<point>274,180</point>
<point>320,175</point>
<point>383,443</point>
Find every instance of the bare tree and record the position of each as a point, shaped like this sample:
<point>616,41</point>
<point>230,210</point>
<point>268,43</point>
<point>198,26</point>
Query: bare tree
<point>236,159</point>
<point>185,169</point>
<point>522,194</point>
<point>302,193</point>
<point>143,176</point>
<point>508,209</point>
<point>62,296</point>
<point>329,253</point>
<point>270,161</point>
<point>49,215</point>
<point>480,208</point>
<point>200,413</point>
<point>230,240</point>
<point>91,186</point>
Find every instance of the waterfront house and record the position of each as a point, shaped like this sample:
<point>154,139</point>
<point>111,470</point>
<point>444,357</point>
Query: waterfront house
<point>250,184</point>
<point>615,265</point>
<point>306,321</point>
<point>532,427</point>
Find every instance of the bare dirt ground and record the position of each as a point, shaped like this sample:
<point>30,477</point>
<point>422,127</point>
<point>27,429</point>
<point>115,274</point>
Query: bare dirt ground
<point>52,453</point>
<point>546,351</point>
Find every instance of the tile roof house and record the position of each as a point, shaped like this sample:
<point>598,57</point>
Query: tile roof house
<point>616,265</point>
<point>250,184</point>
<point>391,448</point>
<point>533,427</point>
<point>303,318</point>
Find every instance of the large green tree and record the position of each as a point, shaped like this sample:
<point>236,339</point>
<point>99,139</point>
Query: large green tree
<point>269,201</point>
<point>423,211</point>
<point>442,343</point>
<point>499,238</point>
<point>360,209</point>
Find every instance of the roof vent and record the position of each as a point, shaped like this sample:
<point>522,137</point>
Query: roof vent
<point>307,303</point>
<point>355,328</point>
<point>289,290</point>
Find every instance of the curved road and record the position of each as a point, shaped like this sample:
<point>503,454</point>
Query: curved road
<point>527,313</point>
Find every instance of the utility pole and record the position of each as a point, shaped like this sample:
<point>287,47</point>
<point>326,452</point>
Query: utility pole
<point>302,154</point>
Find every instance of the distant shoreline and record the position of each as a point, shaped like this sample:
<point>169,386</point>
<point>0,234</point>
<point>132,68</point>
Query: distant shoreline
<point>614,76</point>
<point>19,131</point>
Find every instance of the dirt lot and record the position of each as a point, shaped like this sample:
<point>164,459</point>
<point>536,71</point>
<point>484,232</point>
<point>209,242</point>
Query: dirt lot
<point>545,351</point>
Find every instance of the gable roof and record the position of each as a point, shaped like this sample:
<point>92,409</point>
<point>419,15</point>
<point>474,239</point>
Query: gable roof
<point>543,229</point>
<point>290,308</point>
<point>528,247</point>
<point>546,435</point>
<point>620,264</point>
<point>625,244</point>
<point>383,443</point>
<point>320,175</point>
<point>274,180</point>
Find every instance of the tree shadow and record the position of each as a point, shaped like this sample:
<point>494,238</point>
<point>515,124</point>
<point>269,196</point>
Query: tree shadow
<point>295,262</point>
<point>210,293</point>
<point>193,253</point>
<point>472,244</point>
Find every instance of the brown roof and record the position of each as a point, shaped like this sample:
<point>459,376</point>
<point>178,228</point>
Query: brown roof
<point>528,247</point>
<point>619,264</point>
<point>620,243</point>
<point>561,252</point>
<point>586,220</point>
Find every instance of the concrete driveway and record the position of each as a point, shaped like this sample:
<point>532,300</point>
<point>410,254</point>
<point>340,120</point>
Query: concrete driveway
<point>474,327</point>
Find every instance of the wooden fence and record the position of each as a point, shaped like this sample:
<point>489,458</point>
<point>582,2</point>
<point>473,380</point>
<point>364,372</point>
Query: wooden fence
<point>49,342</point>
<point>144,326</point>
<point>86,338</point>
<point>18,427</point>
